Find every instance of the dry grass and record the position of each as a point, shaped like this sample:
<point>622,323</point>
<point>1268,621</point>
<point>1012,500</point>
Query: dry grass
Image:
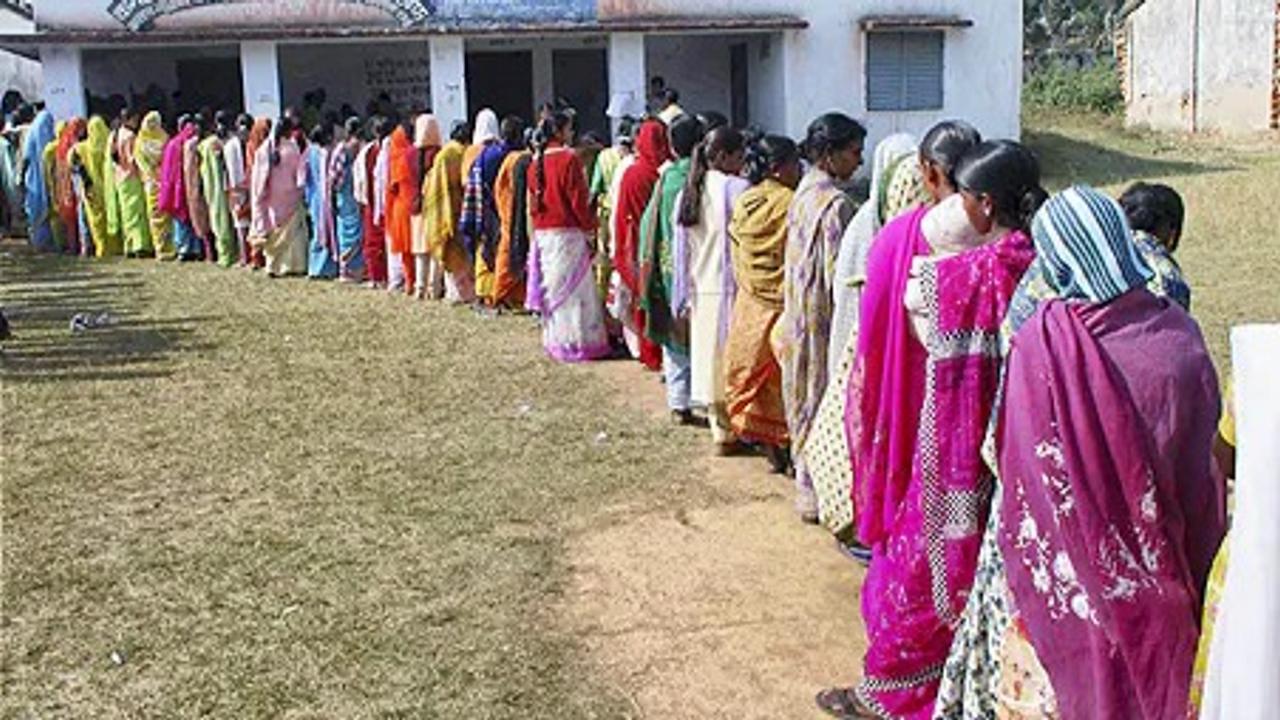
<point>291,499</point>
<point>299,500</point>
<point>1231,249</point>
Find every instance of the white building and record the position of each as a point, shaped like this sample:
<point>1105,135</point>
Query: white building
<point>1195,65</point>
<point>18,70</point>
<point>897,64</point>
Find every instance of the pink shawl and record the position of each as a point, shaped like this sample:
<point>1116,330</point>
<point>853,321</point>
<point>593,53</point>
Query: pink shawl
<point>1111,512</point>
<point>966,297</point>
<point>887,390</point>
<point>173,190</point>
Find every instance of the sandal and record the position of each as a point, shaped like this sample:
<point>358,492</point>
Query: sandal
<point>844,703</point>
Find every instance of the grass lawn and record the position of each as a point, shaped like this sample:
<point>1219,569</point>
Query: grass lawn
<point>254,498</point>
<point>293,499</point>
<point>1230,250</point>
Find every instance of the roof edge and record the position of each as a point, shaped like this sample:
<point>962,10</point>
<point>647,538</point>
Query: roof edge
<point>738,23</point>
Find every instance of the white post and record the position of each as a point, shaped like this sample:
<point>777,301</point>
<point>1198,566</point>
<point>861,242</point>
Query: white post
<point>61,66</point>
<point>448,80</point>
<point>1241,680</point>
<point>628,79</point>
<point>260,71</point>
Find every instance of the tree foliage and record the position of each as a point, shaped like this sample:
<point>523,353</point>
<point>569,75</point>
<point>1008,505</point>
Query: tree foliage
<point>1061,29</point>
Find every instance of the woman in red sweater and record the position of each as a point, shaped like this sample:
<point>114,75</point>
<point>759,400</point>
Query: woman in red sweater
<point>561,288</point>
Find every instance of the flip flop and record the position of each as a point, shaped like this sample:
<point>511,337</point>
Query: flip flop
<point>843,703</point>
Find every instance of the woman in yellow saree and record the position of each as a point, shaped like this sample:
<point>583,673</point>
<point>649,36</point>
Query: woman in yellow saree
<point>148,153</point>
<point>91,153</point>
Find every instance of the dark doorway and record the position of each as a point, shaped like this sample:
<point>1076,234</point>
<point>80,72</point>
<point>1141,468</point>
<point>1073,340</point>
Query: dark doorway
<point>582,78</point>
<point>501,81</point>
<point>739,85</point>
<point>210,83</point>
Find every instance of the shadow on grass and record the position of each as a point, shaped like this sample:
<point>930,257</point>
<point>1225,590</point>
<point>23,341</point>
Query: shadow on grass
<point>1070,161</point>
<point>41,295</point>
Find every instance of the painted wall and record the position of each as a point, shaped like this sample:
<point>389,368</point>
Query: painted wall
<point>1159,41</point>
<point>823,64</point>
<point>1227,78</point>
<point>402,69</point>
<point>145,14</point>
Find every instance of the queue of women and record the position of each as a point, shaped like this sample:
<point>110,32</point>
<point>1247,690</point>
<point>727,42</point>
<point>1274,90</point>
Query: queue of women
<point>997,397</point>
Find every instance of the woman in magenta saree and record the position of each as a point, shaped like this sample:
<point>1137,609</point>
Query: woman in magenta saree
<point>918,410</point>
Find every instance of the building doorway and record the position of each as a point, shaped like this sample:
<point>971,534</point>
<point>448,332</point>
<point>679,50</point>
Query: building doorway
<point>582,78</point>
<point>210,83</point>
<point>500,81</point>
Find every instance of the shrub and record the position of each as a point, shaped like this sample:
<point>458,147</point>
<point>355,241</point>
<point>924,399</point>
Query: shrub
<point>1062,87</point>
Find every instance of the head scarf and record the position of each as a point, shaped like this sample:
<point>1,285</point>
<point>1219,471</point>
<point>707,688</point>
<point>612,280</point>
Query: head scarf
<point>652,151</point>
<point>68,136</point>
<point>1086,248</point>
<point>426,132</point>
<point>892,156</point>
<point>487,127</point>
<point>92,151</point>
<point>149,145</point>
<point>37,197</point>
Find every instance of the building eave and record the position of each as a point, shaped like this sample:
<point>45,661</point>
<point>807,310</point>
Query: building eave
<point>759,23</point>
<point>913,22</point>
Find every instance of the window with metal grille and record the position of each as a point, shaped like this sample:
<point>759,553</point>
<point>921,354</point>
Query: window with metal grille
<point>904,70</point>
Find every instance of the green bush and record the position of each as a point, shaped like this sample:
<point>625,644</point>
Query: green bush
<point>1061,87</point>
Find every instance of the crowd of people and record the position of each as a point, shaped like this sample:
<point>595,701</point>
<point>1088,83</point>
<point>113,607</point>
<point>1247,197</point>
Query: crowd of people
<point>996,398</point>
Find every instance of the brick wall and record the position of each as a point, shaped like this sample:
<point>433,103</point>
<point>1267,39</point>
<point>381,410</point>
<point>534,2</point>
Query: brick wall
<point>1275,75</point>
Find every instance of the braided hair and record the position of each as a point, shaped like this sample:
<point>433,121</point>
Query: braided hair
<point>551,125</point>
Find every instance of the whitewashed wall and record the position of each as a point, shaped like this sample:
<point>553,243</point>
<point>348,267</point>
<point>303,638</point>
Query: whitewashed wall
<point>823,64</point>
<point>305,67</point>
<point>1231,89</point>
<point>1237,46</point>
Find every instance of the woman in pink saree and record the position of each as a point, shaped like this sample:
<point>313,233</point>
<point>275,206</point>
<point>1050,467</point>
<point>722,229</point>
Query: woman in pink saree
<point>278,178</point>
<point>920,400</point>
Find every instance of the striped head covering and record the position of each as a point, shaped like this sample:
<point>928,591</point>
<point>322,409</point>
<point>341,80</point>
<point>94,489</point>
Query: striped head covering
<point>1086,248</point>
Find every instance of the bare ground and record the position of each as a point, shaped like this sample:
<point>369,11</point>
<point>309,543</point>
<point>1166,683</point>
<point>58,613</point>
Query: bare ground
<point>728,609</point>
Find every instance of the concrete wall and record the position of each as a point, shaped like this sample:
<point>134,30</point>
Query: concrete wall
<point>823,64</point>
<point>402,69</point>
<point>1227,79</point>
<point>1237,46</point>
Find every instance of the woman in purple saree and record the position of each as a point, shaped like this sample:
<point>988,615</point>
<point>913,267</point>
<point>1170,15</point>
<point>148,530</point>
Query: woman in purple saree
<point>919,405</point>
<point>1109,512</point>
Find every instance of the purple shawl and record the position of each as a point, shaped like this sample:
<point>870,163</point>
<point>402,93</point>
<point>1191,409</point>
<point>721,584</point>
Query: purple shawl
<point>1111,511</point>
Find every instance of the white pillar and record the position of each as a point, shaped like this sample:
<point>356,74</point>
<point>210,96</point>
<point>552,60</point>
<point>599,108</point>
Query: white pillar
<point>63,80</point>
<point>260,70</point>
<point>628,79</point>
<point>448,80</point>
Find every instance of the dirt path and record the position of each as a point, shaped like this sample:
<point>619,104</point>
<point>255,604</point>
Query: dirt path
<point>731,611</point>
